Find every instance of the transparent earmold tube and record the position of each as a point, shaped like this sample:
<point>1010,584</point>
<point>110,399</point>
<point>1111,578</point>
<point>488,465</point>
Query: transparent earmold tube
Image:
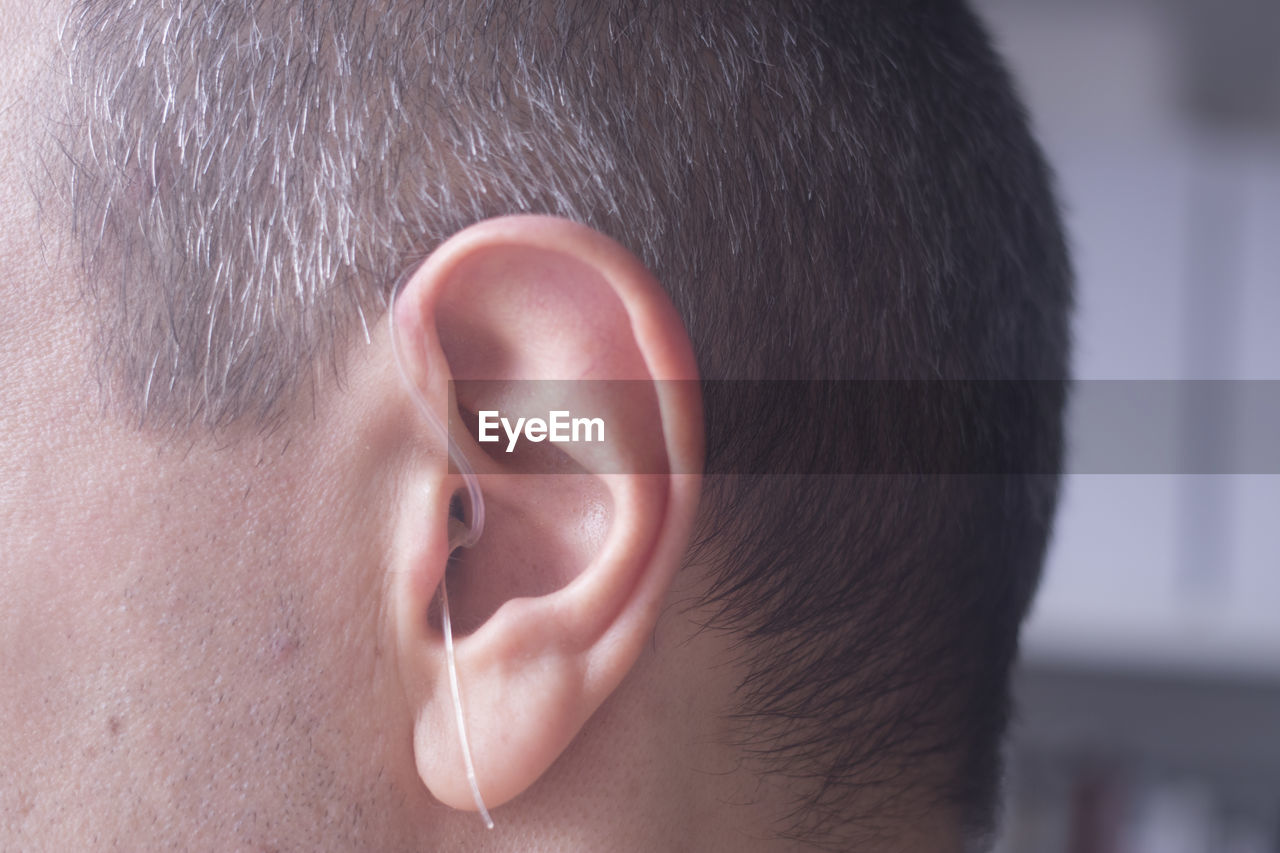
<point>462,534</point>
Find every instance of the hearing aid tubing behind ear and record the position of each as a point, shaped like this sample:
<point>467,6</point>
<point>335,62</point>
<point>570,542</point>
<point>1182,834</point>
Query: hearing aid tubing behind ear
<point>462,534</point>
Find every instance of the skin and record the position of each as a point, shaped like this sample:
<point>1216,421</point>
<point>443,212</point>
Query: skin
<point>197,634</point>
<point>198,649</point>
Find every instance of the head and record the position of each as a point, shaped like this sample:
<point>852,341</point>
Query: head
<point>224,523</point>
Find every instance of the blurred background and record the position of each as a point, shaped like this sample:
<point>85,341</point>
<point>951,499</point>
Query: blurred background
<point>1149,693</point>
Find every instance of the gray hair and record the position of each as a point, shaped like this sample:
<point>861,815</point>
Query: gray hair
<point>249,180</point>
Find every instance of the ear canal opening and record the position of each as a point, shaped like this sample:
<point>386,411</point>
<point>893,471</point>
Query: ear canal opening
<point>462,622</point>
<point>459,527</point>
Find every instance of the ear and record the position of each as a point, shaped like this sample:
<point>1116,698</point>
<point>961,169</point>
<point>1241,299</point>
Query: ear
<point>554,603</point>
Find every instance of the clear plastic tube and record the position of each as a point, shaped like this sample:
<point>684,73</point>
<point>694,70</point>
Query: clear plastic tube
<point>462,534</point>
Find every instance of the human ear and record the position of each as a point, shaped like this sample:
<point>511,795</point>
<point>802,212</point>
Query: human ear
<point>555,602</point>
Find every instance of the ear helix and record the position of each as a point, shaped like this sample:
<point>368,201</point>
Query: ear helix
<point>463,533</point>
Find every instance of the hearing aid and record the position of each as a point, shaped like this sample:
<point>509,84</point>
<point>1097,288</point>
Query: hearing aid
<point>462,533</point>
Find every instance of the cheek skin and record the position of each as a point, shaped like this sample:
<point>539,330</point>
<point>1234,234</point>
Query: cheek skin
<point>192,647</point>
<point>189,635</point>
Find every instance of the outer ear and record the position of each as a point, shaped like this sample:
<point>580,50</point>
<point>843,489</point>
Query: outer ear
<point>559,596</point>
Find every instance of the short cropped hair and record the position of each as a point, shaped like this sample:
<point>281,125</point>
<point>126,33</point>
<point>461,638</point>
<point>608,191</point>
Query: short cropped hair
<point>829,190</point>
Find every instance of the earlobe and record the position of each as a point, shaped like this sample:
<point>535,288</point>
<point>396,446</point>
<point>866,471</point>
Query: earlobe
<point>553,605</point>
